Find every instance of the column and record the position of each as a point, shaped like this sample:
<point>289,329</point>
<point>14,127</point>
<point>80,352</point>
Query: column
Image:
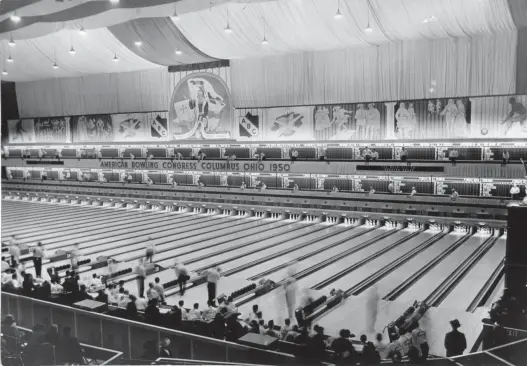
<point>390,120</point>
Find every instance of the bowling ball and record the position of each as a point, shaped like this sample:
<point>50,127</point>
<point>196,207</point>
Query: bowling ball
<point>484,131</point>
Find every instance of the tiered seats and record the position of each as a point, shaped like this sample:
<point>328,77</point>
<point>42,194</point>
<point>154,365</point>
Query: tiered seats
<point>212,152</point>
<point>270,152</point>
<point>240,152</point>
<point>157,152</point>
<point>339,153</point>
<point>109,153</point>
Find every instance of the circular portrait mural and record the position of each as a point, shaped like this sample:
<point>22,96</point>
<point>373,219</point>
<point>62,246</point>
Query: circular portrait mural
<point>201,108</point>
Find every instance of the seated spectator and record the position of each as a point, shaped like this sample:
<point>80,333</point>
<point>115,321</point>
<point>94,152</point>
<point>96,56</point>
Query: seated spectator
<point>403,155</point>
<point>164,351</point>
<point>317,343</point>
<point>56,288</point>
<point>174,318</point>
<point>381,347</point>
<point>234,329</point>
<point>253,315</point>
<point>366,153</point>
<point>69,349</point>
<point>343,348</point>
<point>294,155</point>
<point>102,296</point>
<point>210,313</point>
<point>229,305</point>
<point>374,155</point>
<point>270,331</point>
<point>285,329</point>
<point>194,314</point>
<point>131,309</point>
<point>27,285</point>
<point>453,155</point>
<point>141,303</point>
<point>152,314</point>
<point>261,326</point>
<point>52,335</point>
<point>370,356</point>
<point>335,189</point>
<point>414,192</point>
<point>292,334</point>
<point>371,192</point>
<point>218,327</point>
<point>184,312</point>
<point>12,285</point>
<point>454,195</point>
<point>83,294</point>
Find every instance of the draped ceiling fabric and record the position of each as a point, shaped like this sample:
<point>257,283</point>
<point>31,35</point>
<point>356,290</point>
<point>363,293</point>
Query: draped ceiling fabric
<point>34,58</point>
<point>309,25</point>
<point>468,66</point>
<point>160,40</point>
<point>46,16</point>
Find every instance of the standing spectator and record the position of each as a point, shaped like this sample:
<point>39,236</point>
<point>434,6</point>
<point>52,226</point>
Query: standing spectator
<point>159,289</point>
<point>14,251</point>
<point>38,254</point>
<point>181,275</point>
<point>213,276</point>
<point>455,341</point>
<point>317,343</point>
<point>381,347</point>
<point>420,342</point>
<point>374,155</point>
<point>69,350</point>
<point>131,308</point>
<point>141,303</point>
<point>151,293</point>
<point>141,276</point>
<point>505,158</point>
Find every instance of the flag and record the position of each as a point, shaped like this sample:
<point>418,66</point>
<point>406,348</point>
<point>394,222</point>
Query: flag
<point>249,125</point>
<point>158,127</point>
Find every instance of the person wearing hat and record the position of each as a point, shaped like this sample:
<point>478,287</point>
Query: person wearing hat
<point>455,341</point>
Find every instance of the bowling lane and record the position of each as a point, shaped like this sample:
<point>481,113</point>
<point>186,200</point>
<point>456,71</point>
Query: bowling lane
<point>467,289</point>
<point>54,232</point>
<point>266,301</point>
<point>169,257</point>
<point>430,281</point>
<point>379,263</point>
<point>405,271</point>
<point>292,238</point>
<point>254,271</point>
<point>136,245</point>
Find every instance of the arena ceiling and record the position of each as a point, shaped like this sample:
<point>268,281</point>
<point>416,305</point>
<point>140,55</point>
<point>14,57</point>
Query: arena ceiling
<point>41,39</point>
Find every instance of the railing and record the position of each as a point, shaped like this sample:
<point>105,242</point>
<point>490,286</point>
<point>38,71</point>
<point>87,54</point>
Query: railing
<point>133,339</point>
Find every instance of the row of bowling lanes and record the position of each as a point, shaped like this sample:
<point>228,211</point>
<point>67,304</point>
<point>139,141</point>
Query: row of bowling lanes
<point>252,249</point>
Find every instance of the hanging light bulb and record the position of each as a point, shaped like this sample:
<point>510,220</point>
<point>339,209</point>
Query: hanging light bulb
<point>178,52</point>
<point>15,18</point>
<point>72,51</point>
<point>138,43</point>
<point>264,41</point>
<point>10,59</point>
<point>368,28</point>
<point>176,15</point>
<point>55,66</point>
<point>4,72</point>
<point>11,42</point>
<point>338,15</point>
<point>115,58</point>
<point>82,30</point>
<point>114,1</point>
<point>228,29</point>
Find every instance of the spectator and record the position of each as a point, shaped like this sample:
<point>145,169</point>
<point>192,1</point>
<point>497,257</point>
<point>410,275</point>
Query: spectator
<point>27,285</point>
<point>505,158</point>
<point>261,326</point>
<point>414,192</point>
<point>210,313</point>
<point>294,155</point>
<point>390,188</point>
<point>455,341</point>
<point>366,153</point>
<point>344,351</point>
<point>454,195</point>
<point>56,288</point>
<point>420,342</point>
<point>131,309</point>
<point>317,343</point>
<point>254,327</point>
<point>175,318</point>
<point>184,312</point>
<point>102,296</point>
<point>194,314</point>
<point>292,334</point>
<point>371,192</point>
<point>151,293</point>
<point>164,351</point>
<point>453,155</point>
<point>374,155</point>
<point>152,314</point>
<point>160,290</point>
<point>52,335</point>
<point>83,294</point>
<point>11,333</point>
<point>370,356</point>
<point>381,347</point>
<point>285,329</point>
<point>229,305</point>
<point>141,303</point>
<point>270,329</point>
<point>55,275</point>
<point>234,329</point>
<point>515,191</point>
<point>253,315</point>
<point>69,349</point>
<point>335,189</point>
<point>218,327</point>
<point>5,264</point>
<point>403,155</point>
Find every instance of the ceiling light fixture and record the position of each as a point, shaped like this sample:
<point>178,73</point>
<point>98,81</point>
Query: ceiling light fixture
<point>368,28</point>
<point>114,1</point>
<point>4,72</point>
<point>176,15</point>
<point>10,59</point>
<point>264,41</point>
<point>228,28</point>
<point>115,58</point>
<point>11,42</point>
<point>55,66</point>
<point>138,43</point>
<point>178,52</point>
<point>72,51</point>
<point>338,15</point>
<point>15,18</point>
<point>82,30</point>
<point>430,19</point>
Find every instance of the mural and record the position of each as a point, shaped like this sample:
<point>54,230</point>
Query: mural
<point>139,127</point>
<point>201,108</point>
<point>92,128</point>
<point>55,129</point>
<point>500,117</point>
<point>359,121</point>
<point>21,131</point>
<point>433,119</point>
<point>249,124</point>
<point>292,123</point>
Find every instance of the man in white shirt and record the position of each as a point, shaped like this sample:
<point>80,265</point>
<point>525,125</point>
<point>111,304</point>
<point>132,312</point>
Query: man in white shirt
<point>38,254</point>
<point>75,254</point>
<point>210,312</point>
<point>184,313</point>
<point>141,303</point>
<point>194,314</point>
<point>414,192</point>
<point>181,275</point>
<point>213,276</point>
<point>124,299</point>
<point>14,251</point>
<point>5,264</point>
<point>515,191</point>
<point>371,192</point>
<point>151,293</point>
<point>56,288</point>
<point>140,271</point>
<point>390,188</point>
